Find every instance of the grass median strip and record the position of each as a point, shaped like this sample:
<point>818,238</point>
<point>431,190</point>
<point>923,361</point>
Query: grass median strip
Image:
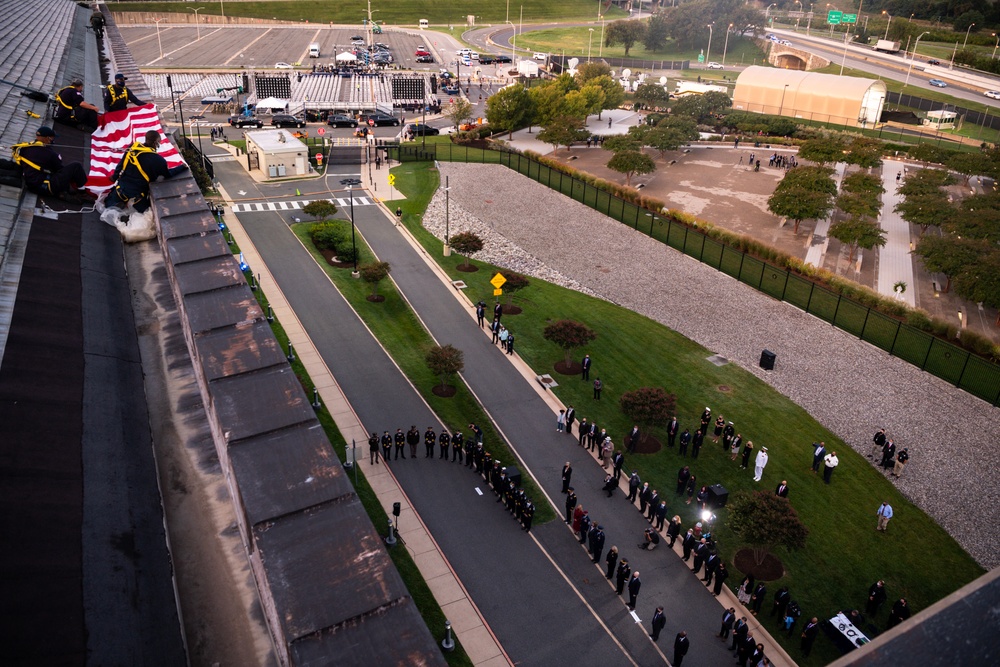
<point>844,554</point>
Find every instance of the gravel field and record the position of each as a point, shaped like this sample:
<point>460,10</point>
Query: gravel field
<point>849,386</point>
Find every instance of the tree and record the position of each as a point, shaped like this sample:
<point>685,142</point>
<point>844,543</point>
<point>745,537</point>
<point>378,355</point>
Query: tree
<point>648,407</point>
<point>327,235</point>
<point>589,71</point>
<point>569,335</point>
<point>864,152</point>
<point>564,131</point>
<point>375,273</point>
<point>766,521</point>
<point>650,94</point>
<point>584,102</point>
<point>515,283</point>
<point>972,164</point>
<point>548,103</point>
<point>804,193</point>
<point>465,244</point>
<point>823,151</point>
<point>509,109</point>
<point>614,94</point>
<point>444,361</point>
<point>670,134</point>
<point>624,142</point>
<point>948,254</point>
<point>657,32</point>
<point>458,111</point>
<point>860,183</point>
<point>925,210</point>
<point>970,20</point>
<point>858,232</point>
<point>624,32</point>
<point>631,163</point>
<point>320,209</point>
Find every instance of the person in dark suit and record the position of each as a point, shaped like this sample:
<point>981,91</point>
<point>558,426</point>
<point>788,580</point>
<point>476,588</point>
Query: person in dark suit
<point>900,612</point>
<point>570,505</point>
<point>757,599</point>
<point>681,646</point>
<point>633,486</point>
<point>570,418</point>
<point>809,636</point>
<point>711,564</point>
<point>592,436</point>
<point>632,439</point>
<point>481,314</point>
<point>386,443</point>
<point>740,631</point>
<point>617,461</point>
<point>654,501</point>
<point>611,559</point>
<point>728,618</point>
<point>430,439</point>
<point>644,495</point>
<point>634,584</point>
<point>609,485</point>
<point>584,431</point>
<point>685,441</point>
<point>672,429</point>
<point>621,575</point>
<point>398,441</point>
<point>819,451</point>
<point>444,442</point>
<point>373,449</point>
<point>782,489</point>
<point>683,475</point>
<point>781,599</point>
<point>412,438</point>
<point>688,544</point>
<point>497,311</point>
<point>674,530</point>
<point>597,544</point>
<point>586,367</point>
<point>567,474</point>
<point>876,598</point>
<point>700,554</point>
<point>657,622</point>
<point>721,574</point>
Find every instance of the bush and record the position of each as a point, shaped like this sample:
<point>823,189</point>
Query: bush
<point>347,254</point>
<point>327,235</point>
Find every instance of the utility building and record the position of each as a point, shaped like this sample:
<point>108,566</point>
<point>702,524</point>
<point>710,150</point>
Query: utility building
<point>827,98</point>
<point>277,153</point>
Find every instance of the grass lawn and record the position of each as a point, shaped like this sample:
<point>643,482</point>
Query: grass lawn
<point>399,12</point>
<point>844,554</point>
<point>575,41</point>
<point>430,611</point>
<point>407,341</point>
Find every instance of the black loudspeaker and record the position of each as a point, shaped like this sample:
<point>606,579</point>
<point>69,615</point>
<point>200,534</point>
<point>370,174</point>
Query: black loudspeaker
<point>514,475</point>
<point>767,360</point>
<point>718,495</point>
<point>395,509</point>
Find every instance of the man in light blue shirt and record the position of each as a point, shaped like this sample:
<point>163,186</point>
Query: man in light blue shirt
<point>884,514</point>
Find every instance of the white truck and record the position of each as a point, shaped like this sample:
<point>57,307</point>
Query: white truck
<point>527,68</point>
<point>314,50</point>
<point>886,46</point>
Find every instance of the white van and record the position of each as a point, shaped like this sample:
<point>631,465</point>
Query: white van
<point>423,23</point>
<point>314,50</point>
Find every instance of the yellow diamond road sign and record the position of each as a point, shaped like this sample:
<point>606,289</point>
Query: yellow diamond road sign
<point>498,280</point>
<point>392,179</point>
<point>497,292</point>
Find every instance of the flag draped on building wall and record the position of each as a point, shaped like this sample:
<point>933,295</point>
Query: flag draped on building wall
<point>118,131</point>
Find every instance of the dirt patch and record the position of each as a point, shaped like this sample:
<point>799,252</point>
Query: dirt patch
<point>331,259</point>
<point>444,391</point>
<point>648,445</point>
<point>467,268</point>
<point>770,570</point>
<point>572,368</point>
<point>512,310</point>
<point>375,298</point>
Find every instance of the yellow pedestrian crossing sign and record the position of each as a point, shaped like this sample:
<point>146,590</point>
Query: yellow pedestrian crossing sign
<point>498,280</point>
<point>497,292</point>
<point>392,179</point>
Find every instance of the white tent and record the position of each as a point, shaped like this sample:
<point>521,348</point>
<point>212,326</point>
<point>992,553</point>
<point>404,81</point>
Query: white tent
<point>272,103</point>
<point>345,57</point>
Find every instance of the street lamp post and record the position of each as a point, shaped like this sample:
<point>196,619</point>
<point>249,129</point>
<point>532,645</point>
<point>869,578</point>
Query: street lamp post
<point>447,226</point>
<point>197,26</point>
<point>351,183</point>
<point>222,7</point>
<point>887,23</point>
<point>590,42</point>
<point>600,47</point>
<point>708,51</point>
<point>993,57</point>
<point>513,40</point>
<point>781,107</point>
<point>964,44</point>
<point>767,12</point>
<point>725,47</point>
<point>912,56</point>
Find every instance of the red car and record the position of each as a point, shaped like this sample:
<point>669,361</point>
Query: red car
<point>421,52</point>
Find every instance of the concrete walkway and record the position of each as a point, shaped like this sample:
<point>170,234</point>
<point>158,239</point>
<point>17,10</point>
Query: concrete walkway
<point>895,261</point>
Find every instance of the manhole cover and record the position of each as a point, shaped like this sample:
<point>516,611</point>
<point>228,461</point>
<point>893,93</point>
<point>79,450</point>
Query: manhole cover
<point>718,360</point>
<point>724,388</point>
<point>459,284</point>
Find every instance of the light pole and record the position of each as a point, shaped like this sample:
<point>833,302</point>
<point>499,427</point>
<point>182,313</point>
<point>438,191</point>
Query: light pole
<point>350,183</point>
<point>600,47</point>
<point>887,23</point>
<point>964,44</point>
<point>513,41</point>
<point>708,51</point>
<point>590,41</point>
<point>158,42</point>
<point>222,6</point>
<point>912,56</point>
<point>197,26</point>
<point>993,57</point>
<point>809,22</point>
<point>725,47</point>
<point>781,107</point>
<point>447,227</point>
<point>767,12</point>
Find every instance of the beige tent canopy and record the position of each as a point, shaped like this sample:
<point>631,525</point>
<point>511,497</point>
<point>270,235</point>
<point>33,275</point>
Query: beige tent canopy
<point>840,100</point>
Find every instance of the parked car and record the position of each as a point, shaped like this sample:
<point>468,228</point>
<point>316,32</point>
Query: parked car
<point>282,66</point>
<point>245,121</point>
<point>714,65</point>
<point>784,42</point>
<point>340,120</point>
<point>540,56</point>
<point>992,94</point>
<point>486,59</point>
<point>420,129</point>
<point>504,59</point>
<point>933,61</point>
<point>938,83</point>
<point>286,120</point>
<point>379,119</point>
<point>421,52</point>
<point>425,59</point>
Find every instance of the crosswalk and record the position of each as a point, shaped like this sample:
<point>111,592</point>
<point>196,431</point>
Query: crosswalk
<point>294,205</point>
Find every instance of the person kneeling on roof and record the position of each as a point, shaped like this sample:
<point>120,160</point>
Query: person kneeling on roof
<point>140,166</point>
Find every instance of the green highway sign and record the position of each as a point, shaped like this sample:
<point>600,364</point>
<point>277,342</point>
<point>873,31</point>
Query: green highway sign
<point>850,18</point>
<point>701,57</point>
<point>834,17</point>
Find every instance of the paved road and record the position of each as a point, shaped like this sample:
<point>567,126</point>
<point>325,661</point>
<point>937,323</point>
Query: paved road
<point>521,592</point>
<point>535,612</point>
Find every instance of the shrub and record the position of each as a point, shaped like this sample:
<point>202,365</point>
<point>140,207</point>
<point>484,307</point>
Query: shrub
<point>327,235</point>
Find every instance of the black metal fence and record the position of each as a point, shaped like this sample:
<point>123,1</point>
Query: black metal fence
<point>965,370</point>
<point>973,117</point>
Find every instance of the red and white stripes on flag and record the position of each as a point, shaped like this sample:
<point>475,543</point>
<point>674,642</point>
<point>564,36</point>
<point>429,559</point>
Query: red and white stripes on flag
<point>118,131</point>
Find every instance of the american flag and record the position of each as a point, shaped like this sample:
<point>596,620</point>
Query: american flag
<point>118,131</point>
